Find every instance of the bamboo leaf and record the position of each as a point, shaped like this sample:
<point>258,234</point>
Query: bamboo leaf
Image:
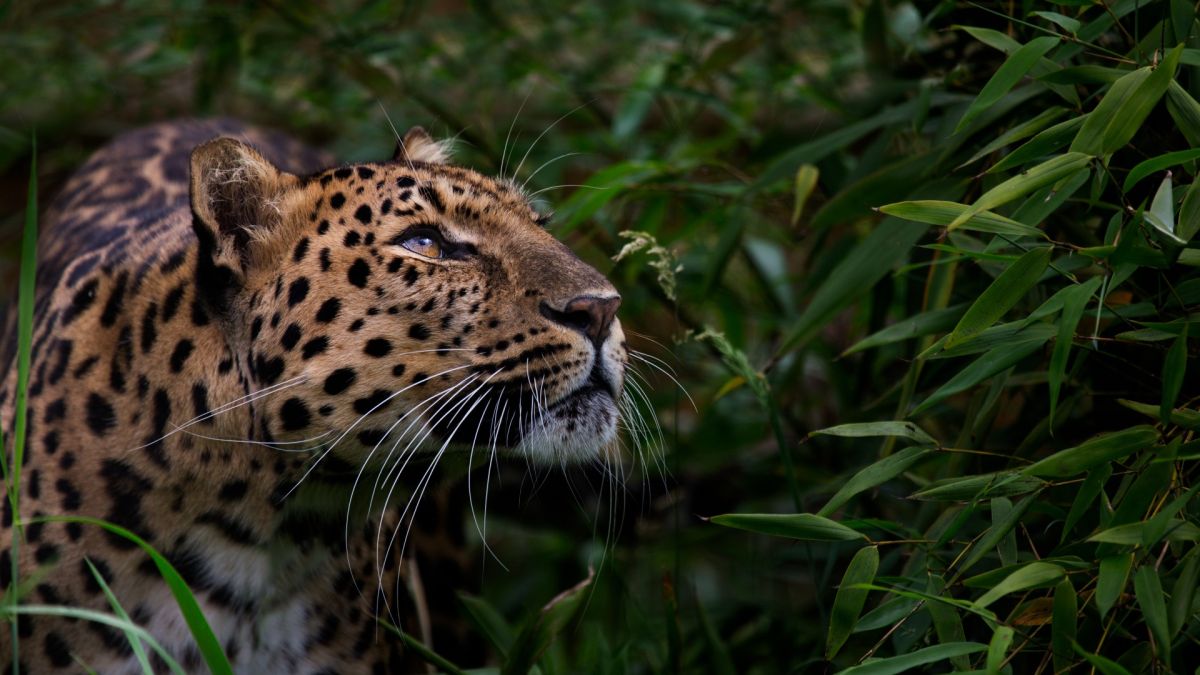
<point>1044,143</point>
<point>1005,484</point>
<point>1148,590</point>
<point>920,657</point>
<point>544,627</point>
<point>936,212</point>
<point>880,472</point>
<point>1156,164</point>
<point>1074,302</point>
<point>1099,450</point>
<point>1161,214</point>
<point>925,323</point>
<point>1184,592</point>
<point>1110,583</point>
<point>849,601</point>
<point>1065,624</point>
<point>805,526</point>
<point>1174,368</point>
<point>898,429</point>
<point>1033,575</point>
<point>1048,172</point>
<point>1001,295</point>
<point>1006,76</point>
<point>806,181</point>
<point>1002,639</point>
<point>994,361</point>
<point>1133,534</point>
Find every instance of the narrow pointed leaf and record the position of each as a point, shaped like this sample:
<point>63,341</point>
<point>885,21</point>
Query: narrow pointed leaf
<point>911,660</point>
<point>1161,214</point>
<point>805,526</point>
<point>1033,575</point>
<point>1156,164</point>
<point>937,212</point>
<point>1044,143</point>
<point>1184,592</point>
<point>1001,295</point>
<point>806,181</point>
<point>1064,625</point>
<point>926,323</point>
<point>1150,599</point>
<point>878,473</point>
<point>1002,639</point>
<point>899,429</point>
<point>544,627</point>
<point>1099,450</point>
<point>849,601</point>
<point>1174,368</point>
<point>989,485</point>
<point>1074,303</point>
<point>1048,172</point>
<point>1189,213</point>
<point>994,361</point>
<point>1007,76</point>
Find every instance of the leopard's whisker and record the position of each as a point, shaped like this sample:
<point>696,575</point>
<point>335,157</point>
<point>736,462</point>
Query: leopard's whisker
<point>350,428</point>
<point>274,445</point>
<point>546,164</point>
<point>652,364</point>
<point>511,126</point>
<point>553,124</point>
<point>567,185</point>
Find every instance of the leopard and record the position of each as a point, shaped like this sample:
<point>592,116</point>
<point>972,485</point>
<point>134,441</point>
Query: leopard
<point>238,348</point>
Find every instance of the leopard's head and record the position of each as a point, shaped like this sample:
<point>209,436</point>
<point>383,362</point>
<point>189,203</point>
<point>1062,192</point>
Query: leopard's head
<point>405,304</point>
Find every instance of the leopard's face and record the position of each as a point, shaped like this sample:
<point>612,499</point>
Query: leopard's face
<point>387,308</point>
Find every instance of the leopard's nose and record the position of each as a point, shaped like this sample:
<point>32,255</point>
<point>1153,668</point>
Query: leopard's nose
<point>588,314</point>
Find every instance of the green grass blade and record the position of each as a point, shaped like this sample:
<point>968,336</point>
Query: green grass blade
<point>428,655</point>
<point>100,618</point>
<point>210,648</point>
<point>135,642</point>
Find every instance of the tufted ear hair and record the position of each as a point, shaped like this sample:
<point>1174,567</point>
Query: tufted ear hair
<point>235,193</point>
<point>419,146</point>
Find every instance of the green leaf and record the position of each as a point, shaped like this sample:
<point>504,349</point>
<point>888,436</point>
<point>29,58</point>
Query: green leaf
<point>1048,172</point>
<point>1184,592</point>
<point>1006,76</point>
<point>805,526</point>
<point>920,657</point>
<point>1064,624</point>
<point>1096,451</point>
<point>849,601</point>
<point>994,361</point>
<point>1006,549</point>
<point>867,263</point>
<point>1188,419</point>
<point>1185,111</point>
<point>1149,592</point>
<point>601,188</point>
<point>1020,131</point>
<point>488,622</point>
<point>1133,534</point>
<point>880,472</point>
<point>424,652</point>
<point>937,212</point>
<point>1157,526</point>
<point>1075,301</point>
<point>1189,214</point>
<point>1174,368</point>
<point>1065,22</point>
<point>1041,145</point>
<point>1091,488</point>
<point>1125,107</point>
<point>925,323</point>
<point>1002,639</point>
<point>544,627</point>
<point>806,181</point>
<point>1105,666</point>
<point>1001,295</point>
<point>1162,211</point>
<point>1033,575</point>
<point>984,486</point>
<point>897,429</point>
<point>1156,164</point>
<point>1110,583</point>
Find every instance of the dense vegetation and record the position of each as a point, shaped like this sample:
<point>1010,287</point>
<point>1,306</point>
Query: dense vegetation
<point>925,272</point>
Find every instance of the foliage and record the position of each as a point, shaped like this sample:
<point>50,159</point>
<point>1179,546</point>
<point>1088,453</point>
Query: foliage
<point>939,257</point>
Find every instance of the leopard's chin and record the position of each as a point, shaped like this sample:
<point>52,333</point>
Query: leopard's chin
<point>578,427</point>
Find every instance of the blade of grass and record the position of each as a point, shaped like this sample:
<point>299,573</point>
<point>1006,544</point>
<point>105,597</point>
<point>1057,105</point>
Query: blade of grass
<point>135,642</point>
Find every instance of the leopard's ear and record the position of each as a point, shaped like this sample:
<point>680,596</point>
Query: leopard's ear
<point>419,146</point>
<point>235,193</point>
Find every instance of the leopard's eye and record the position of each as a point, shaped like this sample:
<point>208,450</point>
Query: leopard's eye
<point>423,244</point>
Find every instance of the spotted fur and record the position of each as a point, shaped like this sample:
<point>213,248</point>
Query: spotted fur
<point>212,317</point>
